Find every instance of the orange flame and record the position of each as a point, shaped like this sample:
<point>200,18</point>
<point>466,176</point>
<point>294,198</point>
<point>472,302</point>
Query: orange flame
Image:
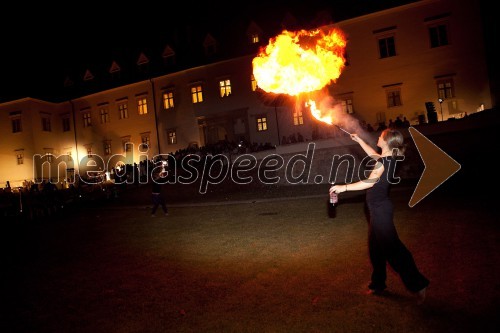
<point>300,62</point>
<point>326,117</point>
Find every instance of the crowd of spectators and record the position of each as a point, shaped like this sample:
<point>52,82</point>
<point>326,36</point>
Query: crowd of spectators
<point>46,198</point>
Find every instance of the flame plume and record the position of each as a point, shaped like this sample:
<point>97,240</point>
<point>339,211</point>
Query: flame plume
<point>301,62</point>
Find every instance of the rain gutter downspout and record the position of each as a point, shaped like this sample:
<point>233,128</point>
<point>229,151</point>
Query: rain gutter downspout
<point>156,116</point>
<point>76,140</point>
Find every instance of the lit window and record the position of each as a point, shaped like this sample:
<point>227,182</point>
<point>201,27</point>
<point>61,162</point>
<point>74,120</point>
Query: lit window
<point>255,38</point>
<point>142,106</point>
<point>261,123</point>
<point>225,87</point>
<point>126,144</point>
<point>172,137</point>
<point>87,121</point>
<point>254,83</point>
<point>107,147</point>
<point>445,88</point>
<point>298,118</point>
<point>20,158</point>
<point>49,153</point>
<point>168,100</point>
<point>104,115</point>
<point>89,150</point>
<point>145,139</point>
<point>346,104</point>
<point>196,94</point>
<point>123,110</point>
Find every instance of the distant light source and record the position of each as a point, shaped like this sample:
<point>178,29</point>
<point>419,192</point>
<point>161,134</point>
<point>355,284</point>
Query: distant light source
<point>440,100</point>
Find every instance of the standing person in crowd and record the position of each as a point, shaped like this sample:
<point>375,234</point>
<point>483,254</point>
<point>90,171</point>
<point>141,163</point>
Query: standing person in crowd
<point>383,241</point>
<point>158,181</point>
<point>406,122</point>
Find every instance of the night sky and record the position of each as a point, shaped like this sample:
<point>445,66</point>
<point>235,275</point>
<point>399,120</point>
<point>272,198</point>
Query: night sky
<point>42,44</point>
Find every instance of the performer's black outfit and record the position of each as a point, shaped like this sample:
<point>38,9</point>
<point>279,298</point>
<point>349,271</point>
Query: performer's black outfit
<point>383,240</point>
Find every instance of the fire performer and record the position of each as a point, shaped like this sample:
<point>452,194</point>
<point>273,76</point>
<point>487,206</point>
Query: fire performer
<point>304,62</point>
<point>383,241</point>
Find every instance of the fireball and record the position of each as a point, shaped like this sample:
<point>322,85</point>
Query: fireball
<point>301,62</point>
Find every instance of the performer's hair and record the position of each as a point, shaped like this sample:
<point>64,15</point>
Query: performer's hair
<point>395,141</point>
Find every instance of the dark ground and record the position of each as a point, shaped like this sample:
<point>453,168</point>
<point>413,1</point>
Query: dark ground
<point>258,259</point>
<point>261,260</point>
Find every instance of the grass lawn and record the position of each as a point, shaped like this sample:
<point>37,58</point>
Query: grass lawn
<point>273,265</point>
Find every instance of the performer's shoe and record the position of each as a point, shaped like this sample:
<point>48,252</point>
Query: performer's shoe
<point>421,294</point>
<point>376,289</point>
<point>376,292</point>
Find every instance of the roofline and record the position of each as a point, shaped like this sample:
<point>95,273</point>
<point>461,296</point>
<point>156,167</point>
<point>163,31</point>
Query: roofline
<point>388,11</point>
<point>27,99</point>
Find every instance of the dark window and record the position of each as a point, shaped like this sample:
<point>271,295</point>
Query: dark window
<point>16,125</point>
<point>46,124</point>
<point>387,47</point>
<point>393,98</point>
<point>66,125</point>
<point>438,35</point>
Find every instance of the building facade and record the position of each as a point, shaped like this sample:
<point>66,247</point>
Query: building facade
<point>424,61</point>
